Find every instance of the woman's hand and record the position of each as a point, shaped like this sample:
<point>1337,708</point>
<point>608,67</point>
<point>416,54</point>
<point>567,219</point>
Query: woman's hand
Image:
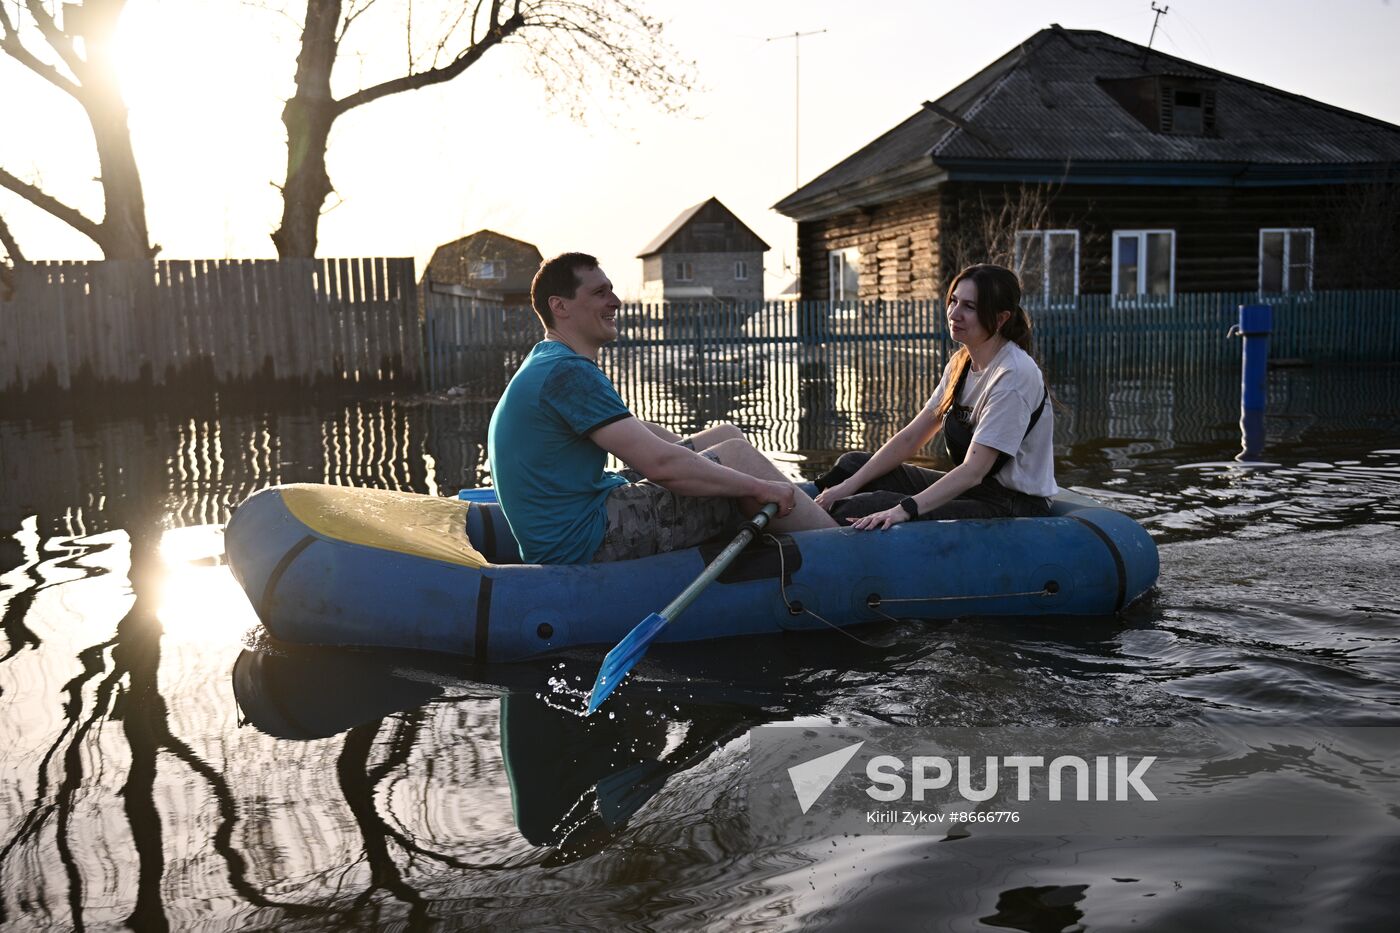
<point>886,519</point>
<point>834,494</point>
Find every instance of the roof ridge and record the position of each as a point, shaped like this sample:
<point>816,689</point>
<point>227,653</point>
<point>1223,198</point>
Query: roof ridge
<point>669,232</point>
<point>1217,73</point>
<point>910,153</point>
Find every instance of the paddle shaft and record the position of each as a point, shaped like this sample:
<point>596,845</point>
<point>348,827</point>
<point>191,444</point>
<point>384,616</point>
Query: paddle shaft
<point>721,562</point>
<point>634,644</point>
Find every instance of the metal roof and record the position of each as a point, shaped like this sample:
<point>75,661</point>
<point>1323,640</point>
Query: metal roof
<point>685,216</point>
<point>1042,103</point>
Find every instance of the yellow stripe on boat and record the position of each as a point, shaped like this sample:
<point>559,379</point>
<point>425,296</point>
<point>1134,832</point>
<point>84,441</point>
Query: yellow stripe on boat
<point>420,526</point>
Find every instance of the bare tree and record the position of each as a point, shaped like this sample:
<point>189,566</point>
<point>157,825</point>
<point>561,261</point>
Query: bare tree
<point>1362,234</point>
<point>983,230</point>
<point>567,40</point>
<point>77,59</point>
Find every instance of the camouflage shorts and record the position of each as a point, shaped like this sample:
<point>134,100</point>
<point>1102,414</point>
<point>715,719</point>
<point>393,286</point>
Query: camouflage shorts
<point>645,519</point>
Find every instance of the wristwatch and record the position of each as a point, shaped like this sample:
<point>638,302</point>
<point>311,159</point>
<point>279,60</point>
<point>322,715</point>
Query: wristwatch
<point>909,505</point>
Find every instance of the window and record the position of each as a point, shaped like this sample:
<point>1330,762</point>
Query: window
<point>1048,263</point>
<point>844,270</point>
<point>1187,110</point>
<point>1285,260</point>
<point>488,269</point>
<point>1144,264</point>
<point>741,270</point>
<point>1188,113</point>
<point>685,270</point>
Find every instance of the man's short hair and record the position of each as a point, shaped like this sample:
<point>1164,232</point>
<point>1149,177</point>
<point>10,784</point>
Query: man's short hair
<point>557,276</point>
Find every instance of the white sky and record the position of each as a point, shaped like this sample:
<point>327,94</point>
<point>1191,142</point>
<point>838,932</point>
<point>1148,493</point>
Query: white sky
<point>206,79</point>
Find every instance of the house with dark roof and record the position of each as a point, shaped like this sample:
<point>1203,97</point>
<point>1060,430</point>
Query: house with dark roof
<point>705,253</point>
<point>488,265</point>
<point>1094,165</point>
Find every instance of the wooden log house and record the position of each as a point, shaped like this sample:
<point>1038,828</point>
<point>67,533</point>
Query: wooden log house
<point>1096,166</point>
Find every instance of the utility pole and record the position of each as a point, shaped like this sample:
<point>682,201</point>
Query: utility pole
<point>796,38</point>
<point>1160,12</point>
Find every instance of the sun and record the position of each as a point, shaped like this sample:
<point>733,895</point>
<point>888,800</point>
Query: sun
<point>204,84</point>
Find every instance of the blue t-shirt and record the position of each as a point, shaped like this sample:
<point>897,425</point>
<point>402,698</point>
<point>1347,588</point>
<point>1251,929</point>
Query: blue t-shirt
<point>549,475</point>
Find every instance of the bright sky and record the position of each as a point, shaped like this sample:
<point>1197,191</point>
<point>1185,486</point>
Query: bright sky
<point>205,81</point>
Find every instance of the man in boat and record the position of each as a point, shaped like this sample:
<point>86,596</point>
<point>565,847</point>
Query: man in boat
<point>561,416</point>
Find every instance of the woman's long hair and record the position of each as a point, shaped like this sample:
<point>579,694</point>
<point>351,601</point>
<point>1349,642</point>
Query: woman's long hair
<point>998,290</point>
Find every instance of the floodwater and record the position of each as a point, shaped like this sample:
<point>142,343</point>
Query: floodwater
<point>163,767</point>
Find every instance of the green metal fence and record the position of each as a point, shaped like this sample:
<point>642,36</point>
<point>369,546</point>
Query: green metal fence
<point>733,347</point>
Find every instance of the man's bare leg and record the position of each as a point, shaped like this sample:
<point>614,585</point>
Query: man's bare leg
<point>714,434</point>
<point>739,454</point>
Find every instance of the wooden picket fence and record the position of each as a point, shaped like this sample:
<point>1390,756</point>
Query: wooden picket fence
<point>217,322</point>
<point>358,322</point>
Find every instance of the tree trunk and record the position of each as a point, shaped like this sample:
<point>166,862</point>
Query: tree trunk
<point>123,230</point>
<point>308,116</point>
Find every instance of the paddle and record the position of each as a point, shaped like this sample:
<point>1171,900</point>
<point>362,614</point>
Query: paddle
<point>628,652</point>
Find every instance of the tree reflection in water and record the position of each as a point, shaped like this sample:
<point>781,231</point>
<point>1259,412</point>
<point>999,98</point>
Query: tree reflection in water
<point>574,782</point>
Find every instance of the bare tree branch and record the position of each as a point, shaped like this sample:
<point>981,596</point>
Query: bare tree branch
<point>7,274</point>
<point>419,79</point>
<point>7,240</point>
<point>61,42</point>
<point>122,232</point>
<point>570,43</point>
<point>71,216</point>
<point>351,15</point>
<point>276,8</point>
<point>13,46</point>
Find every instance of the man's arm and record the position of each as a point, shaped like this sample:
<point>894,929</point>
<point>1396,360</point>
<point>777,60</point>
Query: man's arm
<point>669,437</point>
<point>681,470</point>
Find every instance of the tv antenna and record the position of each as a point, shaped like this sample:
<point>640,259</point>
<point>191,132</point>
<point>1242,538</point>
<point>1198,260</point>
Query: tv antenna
<point>1158,12</point>
<point>796,38</point>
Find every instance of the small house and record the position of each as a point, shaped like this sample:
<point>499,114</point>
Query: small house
<point>705,253</point>
<point>487,264</point>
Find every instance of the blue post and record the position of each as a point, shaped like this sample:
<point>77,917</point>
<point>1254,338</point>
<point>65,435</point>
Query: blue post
<point>1256,323</point>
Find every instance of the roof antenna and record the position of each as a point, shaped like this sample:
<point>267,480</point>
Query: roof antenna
<point>1159,14</point>
<point>796,38</point>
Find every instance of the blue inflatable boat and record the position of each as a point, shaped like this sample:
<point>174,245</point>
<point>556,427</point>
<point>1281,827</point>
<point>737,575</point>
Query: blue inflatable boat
<point>338,565</point>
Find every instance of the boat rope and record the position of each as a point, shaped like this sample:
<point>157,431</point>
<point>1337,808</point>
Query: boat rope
<point>941,599</point>
<point>798,608</point>
<point>876,601</point>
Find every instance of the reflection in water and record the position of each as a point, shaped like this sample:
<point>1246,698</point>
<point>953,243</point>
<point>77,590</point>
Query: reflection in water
<point>574,781</point>
<point>1252,434</point>
<point>1046,909</point>
<point>376,790</point>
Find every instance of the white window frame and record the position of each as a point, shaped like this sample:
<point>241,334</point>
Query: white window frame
<point>1044,236</point>
<point>741,270</point>
<point>1142,295</point>
<point>685,270</point>
<point>488,269</point>
<point>1287,247</point>
<point>836,262</point>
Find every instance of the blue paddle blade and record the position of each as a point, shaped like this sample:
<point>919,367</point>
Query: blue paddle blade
<point>623,656</point>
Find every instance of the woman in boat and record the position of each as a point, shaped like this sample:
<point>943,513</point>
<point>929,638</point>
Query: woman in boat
<point>994,410</point>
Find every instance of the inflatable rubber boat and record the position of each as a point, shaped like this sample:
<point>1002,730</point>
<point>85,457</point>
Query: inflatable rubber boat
<point>339,565</point>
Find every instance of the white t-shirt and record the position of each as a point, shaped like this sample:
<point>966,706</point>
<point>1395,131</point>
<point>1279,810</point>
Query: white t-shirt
<point>1003,396</point>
